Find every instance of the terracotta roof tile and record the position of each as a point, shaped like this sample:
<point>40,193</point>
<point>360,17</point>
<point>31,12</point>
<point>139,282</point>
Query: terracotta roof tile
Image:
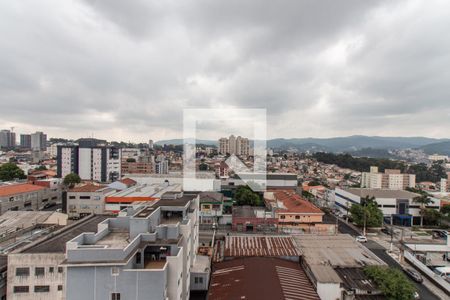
<point>9,190</point>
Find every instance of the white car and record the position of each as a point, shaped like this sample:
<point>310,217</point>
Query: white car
<point>361,239</point>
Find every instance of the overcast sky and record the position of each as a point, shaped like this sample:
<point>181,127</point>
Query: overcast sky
<point>124,70</point>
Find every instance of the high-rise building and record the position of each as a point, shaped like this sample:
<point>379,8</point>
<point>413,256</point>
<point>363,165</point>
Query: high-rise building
<point>234,145</point>
<point>162,167</point>
<point>150,144</point>
<point>391,179</point>
<point>38,141</point>
<point>7,139</point>
<point>100,163</point>
<point>25,141</point>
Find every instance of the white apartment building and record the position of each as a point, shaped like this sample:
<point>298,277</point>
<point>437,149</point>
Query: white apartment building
<point>390,179</point>
<point>234,145</point>
<point>438,157</point>
<point>99,163</point>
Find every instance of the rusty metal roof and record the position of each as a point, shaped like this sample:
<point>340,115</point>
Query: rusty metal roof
<point>256,245</point>
<point>259,278</point>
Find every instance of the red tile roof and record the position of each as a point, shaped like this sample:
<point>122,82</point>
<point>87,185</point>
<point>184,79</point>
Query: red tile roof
<point>20,188</point>
<point>296,204</point>
<point>128,181</point>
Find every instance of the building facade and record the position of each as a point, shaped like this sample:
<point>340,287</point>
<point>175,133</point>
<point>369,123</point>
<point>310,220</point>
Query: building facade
<point>99,163</point>
<point>25,196</point>
<point>39,141</point>
<point>25,141</point>
<point>234,145</point>
<point>397,206</point>
<point>7,139</point>
<point>87,199</point>
<point>144,253</point>
<point>390,179</point>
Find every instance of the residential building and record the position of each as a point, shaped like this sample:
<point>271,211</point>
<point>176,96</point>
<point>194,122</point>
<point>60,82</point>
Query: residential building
<point>39,141</point>
<point>7,138</point>
<point>390,179</point>
<point>87,199</point>
<point>162,167</point>
<point>296,214</point>
<point>3,276</point>
<point>136,167</point>
<point>25,196</point>
<point>234,145</point>
<point>37,271</point>
<point>150,144</point>
<point>215,208</point>
<point>438,157</point>
<point>98,163</point>
<point>397,206</point>
<point>144,253</point>
<point>25,141</point>
<point>443,185</point>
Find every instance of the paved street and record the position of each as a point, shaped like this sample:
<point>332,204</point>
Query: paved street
<point>380,251</point>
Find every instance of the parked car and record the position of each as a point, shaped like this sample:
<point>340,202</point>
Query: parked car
<point>386,230</point>
<point>416,296</point>
<point>414,275</point>
<point>361,239</point>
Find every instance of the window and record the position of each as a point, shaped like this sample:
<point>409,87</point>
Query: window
<point>54,197</point>
<point>297,217</point>
<point>38,271</point>
<point>60,269</point>
<point>198,280</point>
<point>282,217</point>
<point>41,288</point>
<point>85,197</point>
<point>59,287</point>
<point>21,289</point>
<point>72,197</point>
<point>22,271</point>
<point>51,270</point>
<point>115,296</point>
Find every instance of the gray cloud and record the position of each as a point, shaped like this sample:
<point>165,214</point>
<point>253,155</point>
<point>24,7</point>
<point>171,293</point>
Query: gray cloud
<point>125,70</point>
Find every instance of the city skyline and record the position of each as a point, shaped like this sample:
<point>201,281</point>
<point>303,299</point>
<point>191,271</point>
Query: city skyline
<point>106,69</point>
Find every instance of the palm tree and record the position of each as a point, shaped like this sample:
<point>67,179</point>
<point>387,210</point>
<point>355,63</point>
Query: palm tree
<point>423,200</point>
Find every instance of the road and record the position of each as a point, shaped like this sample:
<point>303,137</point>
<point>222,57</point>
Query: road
<point>379,251</point>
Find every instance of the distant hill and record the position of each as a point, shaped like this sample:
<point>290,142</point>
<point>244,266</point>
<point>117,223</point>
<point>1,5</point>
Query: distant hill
<point>339,144</point>
<point>439,148</point>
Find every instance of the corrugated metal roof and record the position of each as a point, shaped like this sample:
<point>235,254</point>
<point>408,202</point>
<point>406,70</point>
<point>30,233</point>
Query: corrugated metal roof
<point>236,246</point>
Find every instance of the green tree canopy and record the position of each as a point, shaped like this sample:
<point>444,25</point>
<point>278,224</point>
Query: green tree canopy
<point>131,160</point>
<point>71,179</point>
<point>11,171</point>
<point>369,209</point>
<point>41,168</point>
<point>392,282</point>
<point>245,196</point>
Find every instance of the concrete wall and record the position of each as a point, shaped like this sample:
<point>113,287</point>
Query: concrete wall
<point>31,261</point>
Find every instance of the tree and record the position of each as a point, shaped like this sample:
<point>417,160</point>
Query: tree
<point>367,214</point>
<point>392,282</point>
<point>432,216</point>
<point>71,179</point>
<point>203,167</point>
<point>245,196</point>
<point>131,160</point>
<point>41,168</point>
<point>11,171</point>
<point>423,200</point>
<point>445,210</point>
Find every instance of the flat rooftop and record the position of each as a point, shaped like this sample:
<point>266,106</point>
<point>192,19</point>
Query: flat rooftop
<point>147,190</point>
<point>56,242</point>
<point>115,240</point>
<point>258,245</point>
<point>382,193</point>
<point>260,278</point>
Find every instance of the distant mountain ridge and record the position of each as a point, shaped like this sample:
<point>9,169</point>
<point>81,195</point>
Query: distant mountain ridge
<point>343,144</point>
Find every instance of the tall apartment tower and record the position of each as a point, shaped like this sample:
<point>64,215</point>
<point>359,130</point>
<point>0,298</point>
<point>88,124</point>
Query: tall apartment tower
<point>234,145</point>
<point>150,144</point>
<point>7,138</point>
<point>25,141</point>
<point>38,141</point>
<point>391,179</point>
<point>99,163</point>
